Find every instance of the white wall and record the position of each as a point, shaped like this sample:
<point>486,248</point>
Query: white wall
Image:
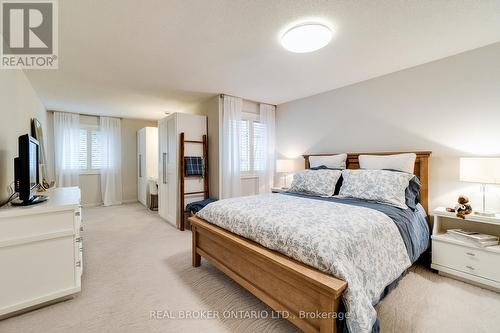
<point>211,108</point>
<point>18,104</point>
<point>450,106</point>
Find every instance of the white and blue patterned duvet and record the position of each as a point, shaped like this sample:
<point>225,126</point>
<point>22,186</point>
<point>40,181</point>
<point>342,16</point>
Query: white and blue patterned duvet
<point>360,245</point>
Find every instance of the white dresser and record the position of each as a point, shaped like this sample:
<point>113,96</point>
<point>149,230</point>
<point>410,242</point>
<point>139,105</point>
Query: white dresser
<point>40,252</point>
<point>458,259</point>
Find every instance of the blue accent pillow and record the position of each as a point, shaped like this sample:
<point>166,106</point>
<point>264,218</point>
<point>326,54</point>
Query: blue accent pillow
<point>412,192</point>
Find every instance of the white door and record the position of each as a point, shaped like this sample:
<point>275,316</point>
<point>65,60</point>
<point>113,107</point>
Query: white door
<point>172,170</point>
<point>141,158</point>
<point>162,169</point>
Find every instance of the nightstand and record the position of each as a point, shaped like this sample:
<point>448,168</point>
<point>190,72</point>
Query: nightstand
<point>278,189</point>
<point>463,261</point>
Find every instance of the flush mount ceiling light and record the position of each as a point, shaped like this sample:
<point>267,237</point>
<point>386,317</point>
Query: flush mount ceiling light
<point>306,37</point>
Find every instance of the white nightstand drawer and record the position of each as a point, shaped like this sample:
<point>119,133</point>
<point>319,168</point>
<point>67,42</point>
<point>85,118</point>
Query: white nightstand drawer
<point>472,261</point>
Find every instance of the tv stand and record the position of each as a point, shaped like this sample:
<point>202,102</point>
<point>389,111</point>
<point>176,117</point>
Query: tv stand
<point>34,200</point>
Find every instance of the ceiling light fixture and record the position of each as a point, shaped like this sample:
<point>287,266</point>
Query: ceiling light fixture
<point>306,37</point>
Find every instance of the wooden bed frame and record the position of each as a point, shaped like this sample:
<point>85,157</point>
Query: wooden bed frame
<point>298,291</point>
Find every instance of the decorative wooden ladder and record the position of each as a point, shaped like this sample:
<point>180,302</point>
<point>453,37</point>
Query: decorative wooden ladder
<point>204,142</point>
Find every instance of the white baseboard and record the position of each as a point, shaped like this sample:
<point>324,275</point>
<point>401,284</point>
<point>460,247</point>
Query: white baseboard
<point>130,201</point>
<point>95,204</point>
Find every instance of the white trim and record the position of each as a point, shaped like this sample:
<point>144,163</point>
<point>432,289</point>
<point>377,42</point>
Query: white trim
<point>93,204</point>
<point>129,201</point>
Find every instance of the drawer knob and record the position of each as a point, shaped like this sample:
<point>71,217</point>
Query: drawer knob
<point>471,254</point>
<point>470,267</point>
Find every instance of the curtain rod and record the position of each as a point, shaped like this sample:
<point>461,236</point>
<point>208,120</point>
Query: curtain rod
<point>86,114</point>
<point>249,100</point>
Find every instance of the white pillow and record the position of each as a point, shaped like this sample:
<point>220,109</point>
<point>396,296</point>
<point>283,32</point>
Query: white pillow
<point>400,162</point>
<point>330,161</point>
<point>388,187</point>
<point>319,182</point>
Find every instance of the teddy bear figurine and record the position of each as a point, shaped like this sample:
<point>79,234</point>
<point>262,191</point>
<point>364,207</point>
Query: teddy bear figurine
<point>463,207</point>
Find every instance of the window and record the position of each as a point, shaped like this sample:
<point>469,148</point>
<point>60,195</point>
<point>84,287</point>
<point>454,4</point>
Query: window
<point>258,132</point>
<point>251,145</point>
<point>90,154</point>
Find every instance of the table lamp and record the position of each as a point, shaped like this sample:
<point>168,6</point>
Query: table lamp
<point>285,167</point>
<point>481,170</point>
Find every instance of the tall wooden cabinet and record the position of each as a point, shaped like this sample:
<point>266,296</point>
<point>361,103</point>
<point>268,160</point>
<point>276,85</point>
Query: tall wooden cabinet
<point>169,129</point>
<point>147,161</point>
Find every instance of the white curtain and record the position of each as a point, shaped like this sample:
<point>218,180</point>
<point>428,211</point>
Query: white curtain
<point>266,173</point>
<point>111,170</point>
<point>230,158</point>
<point>67,148</point>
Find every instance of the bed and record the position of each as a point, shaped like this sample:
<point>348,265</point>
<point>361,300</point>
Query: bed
<point>302,287</point>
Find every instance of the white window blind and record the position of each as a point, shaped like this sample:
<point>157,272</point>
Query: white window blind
<point>82,156</point>
<point>96,150</point>
<point>251,147</point>
<point>244,146</point>
<point>90,154</point>
<point>258,131</point>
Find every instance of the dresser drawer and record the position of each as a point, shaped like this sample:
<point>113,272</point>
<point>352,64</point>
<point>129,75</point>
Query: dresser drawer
<point>477,262</point>
<point>25,226</point>
<point>33,271</point>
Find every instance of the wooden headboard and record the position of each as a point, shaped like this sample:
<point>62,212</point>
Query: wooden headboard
<point>421,169</point>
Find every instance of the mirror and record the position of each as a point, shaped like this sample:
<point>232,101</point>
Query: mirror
<point>37,133</point>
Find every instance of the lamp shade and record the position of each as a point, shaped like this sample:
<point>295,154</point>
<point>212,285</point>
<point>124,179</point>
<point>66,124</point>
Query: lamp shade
<point>483,170</point>
<point>283,166</point>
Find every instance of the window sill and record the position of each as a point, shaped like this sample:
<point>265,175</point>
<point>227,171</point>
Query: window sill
<point>249,177</point>
<point>90,172</point>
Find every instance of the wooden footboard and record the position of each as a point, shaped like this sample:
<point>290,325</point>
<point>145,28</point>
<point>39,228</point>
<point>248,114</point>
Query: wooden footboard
<point>305,296</point>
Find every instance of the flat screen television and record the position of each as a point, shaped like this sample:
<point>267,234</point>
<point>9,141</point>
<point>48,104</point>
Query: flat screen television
<point>26,171</point>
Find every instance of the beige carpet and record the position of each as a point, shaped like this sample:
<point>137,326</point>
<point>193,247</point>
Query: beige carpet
<point>136,263</point>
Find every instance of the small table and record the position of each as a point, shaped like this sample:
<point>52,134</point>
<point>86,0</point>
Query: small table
<point>279,189</point>
<point>461,260</point>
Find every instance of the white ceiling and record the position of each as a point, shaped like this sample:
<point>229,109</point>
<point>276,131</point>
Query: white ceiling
<point>141,58</point>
